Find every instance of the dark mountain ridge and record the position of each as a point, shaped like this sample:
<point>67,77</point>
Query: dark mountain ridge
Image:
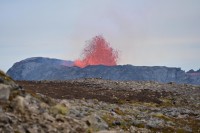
<point>39,68</point>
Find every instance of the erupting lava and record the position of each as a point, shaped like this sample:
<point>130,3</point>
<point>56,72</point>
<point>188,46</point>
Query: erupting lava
<point>98,52</point>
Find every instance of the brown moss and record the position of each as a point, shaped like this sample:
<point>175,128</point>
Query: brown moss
<point>166,102</point>
<point>109,119</point>
<point>161,116</point>
<point>13,94</point>
<point>5,77</point>
<point>180,130</point>
<point>90,130</point>
<point>118,111</point>
<point>148,104</point>
<point>45,99</point>
<point>32,93</point>
<point>163,130</point>
<point>120,101</point>
<point>140,125</point>
<point>190,122</point>
<point>2,74</point>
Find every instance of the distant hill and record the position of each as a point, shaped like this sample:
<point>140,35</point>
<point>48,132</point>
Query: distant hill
<point>36,68</point>
<point>39,68</point>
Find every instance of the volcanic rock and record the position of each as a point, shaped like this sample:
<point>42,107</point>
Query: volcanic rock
<point>6,84</point>
<point>39,68</point>
<point>4,91</point>
<point>96,105</point>
<point>36,68</point>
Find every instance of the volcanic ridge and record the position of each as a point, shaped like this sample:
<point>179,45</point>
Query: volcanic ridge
<point>98,60</point>
<point>39,68</point>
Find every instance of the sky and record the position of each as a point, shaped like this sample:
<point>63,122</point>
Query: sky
<point>146,32</point>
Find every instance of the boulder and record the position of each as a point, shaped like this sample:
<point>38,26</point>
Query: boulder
<point>4,92</point>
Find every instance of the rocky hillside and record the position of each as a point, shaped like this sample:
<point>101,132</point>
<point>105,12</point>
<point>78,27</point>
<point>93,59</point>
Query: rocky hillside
<point>39,68</point>
<point>36,68</point>
<point>96,105</point>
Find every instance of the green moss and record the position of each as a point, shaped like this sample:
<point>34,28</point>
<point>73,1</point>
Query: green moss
<point>161,116</point>
<point>180,130</point>
<point>180,124</point>
<point>125,126</point>
<point>17,131</point>
<point>5,77</point>
<point>120,101</point>
<point>59,109</point>
<point>109,119</point>
<point>90,130</point>
<point>148,104</point>
<point>166,102</point>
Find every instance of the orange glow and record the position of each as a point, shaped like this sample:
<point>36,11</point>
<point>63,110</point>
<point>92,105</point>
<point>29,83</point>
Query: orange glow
<point>98,52</point>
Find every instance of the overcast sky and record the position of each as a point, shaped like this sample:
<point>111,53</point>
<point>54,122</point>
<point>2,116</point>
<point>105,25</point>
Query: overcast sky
<point>146,32</point>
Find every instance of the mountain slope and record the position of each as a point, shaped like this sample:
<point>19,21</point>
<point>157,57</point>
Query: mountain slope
<point>39,68</point>
<point>35,68</point>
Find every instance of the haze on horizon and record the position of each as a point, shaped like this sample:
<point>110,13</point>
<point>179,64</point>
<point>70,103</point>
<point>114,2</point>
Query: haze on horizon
<point>146,32</point>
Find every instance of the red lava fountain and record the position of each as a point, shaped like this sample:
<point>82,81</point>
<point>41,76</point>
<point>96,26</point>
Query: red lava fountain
<point>98,52</point>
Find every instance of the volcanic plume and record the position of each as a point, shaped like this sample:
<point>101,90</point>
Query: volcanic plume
<point>97,52</point>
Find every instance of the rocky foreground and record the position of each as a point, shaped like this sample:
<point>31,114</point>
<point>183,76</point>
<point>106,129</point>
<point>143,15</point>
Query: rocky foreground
<point>95,105</point>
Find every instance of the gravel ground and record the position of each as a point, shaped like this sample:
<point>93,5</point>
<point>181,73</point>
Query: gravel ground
<point>96,105</point>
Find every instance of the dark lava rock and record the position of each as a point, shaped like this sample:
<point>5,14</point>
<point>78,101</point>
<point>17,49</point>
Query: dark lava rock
<point>97,105</point>
<point>39,68</point>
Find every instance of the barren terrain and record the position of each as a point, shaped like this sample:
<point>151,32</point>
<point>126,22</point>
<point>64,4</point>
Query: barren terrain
<point>96,105</point>
<point>118,92</point>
